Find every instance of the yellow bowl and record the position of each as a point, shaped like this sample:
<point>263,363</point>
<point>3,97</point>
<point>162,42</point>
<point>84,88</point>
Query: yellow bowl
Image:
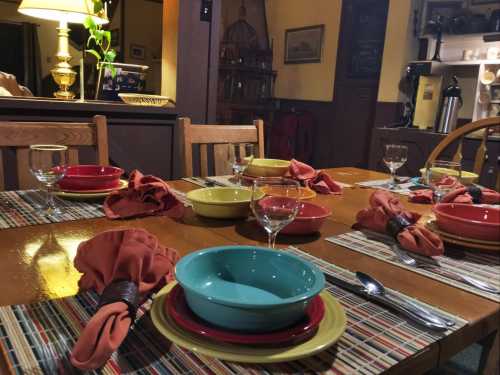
<point>466,178</point>
<point>221,202</point>
<point>267,168</point>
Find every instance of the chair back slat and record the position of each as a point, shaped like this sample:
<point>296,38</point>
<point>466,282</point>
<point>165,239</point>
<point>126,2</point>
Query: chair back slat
<point>20,135</point>
<point>458,154</point>
<point>481,154</point>
<point>2,184</point>
<point>220,136</point>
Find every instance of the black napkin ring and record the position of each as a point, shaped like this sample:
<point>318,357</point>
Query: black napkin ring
<point>476,193</point>
<point>396,224</point>
<point>121,291</point>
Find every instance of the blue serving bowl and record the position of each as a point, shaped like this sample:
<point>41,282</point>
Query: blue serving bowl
<point>248,288</point>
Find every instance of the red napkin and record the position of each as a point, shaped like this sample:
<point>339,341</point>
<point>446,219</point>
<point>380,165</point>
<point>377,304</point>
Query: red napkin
<point>130,254</point>
<point>462,195</point>
<point>318,181</point>
<point>384,206</point>
<point>146,195</point>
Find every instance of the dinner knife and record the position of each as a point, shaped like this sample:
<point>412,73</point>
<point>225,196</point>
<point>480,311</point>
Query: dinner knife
<point>417,315</point>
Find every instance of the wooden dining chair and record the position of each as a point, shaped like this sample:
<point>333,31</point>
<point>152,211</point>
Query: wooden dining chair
<point>458,135</point>
<point>20,135</point>
<point>220,136</point>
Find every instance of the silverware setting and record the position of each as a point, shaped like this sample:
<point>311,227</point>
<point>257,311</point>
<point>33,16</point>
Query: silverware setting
<point>406,259</point>
<point>410,309</point>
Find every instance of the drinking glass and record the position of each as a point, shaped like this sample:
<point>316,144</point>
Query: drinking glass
<point>442,176</point>
<point>48,164</point>
<point>278,208</point>
<point>239,157</point>
<point>394,158</point>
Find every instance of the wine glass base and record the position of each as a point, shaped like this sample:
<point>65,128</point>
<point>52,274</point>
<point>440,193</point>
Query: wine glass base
<point>45,211</point>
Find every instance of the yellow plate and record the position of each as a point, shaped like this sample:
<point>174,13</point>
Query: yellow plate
<point>465,177</point>
<point>83,195</point>
<point>463,241</point>
<point>330,329</point>
<point>304,192</point>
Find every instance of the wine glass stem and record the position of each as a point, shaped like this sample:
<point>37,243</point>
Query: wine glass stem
<point>49,200</point>
<point>272,239</point>
<point>393,178</point>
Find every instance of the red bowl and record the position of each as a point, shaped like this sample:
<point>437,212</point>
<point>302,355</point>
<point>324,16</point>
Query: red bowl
<point>309,219</point>
<point>466,220</point>
<point>90,177</point>
<point>176,306</point>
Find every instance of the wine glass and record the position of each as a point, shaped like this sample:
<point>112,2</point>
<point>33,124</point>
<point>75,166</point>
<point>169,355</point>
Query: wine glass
<point>442,176</point>
<point>240,155</point>
<point>394,158</point>
<point>48,164</point>
<point>278,208</point>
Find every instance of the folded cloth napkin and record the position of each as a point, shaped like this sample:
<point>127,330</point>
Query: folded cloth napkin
<point>318,181</point>
<point>458,194</point>
<point>109,258</point>
<point>145,195</point>
<point>387,215</point>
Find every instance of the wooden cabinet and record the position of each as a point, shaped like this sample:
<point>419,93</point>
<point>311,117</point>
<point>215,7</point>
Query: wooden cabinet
<point>421,143</point>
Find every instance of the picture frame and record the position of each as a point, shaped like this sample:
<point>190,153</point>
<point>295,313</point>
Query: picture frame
<point>137,52</point>
<point>445,8</point>
<point>304,45</point>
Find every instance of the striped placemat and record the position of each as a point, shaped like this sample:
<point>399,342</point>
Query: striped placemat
<point>479,265</point>
<point>403,188</point>
<point>17,209</point>
<point>37,338</point>
<point>229,181</point>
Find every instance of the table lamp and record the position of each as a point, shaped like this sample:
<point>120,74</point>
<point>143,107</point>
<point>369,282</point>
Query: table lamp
<point>64,11</point>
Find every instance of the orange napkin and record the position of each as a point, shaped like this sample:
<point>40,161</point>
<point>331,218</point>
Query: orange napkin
<point>385,207</point>
<point>145,195</point>
<point>130,254</point>
<point>318,181</point>
<point>458,194</point>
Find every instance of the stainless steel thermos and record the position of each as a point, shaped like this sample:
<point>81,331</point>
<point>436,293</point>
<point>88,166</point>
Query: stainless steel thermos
<point>452,102</point>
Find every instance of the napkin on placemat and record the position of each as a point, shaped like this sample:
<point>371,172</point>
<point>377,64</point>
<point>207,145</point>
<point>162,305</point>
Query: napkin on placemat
<point>387,215</point>
<point>124,267</point>
<point>318,181</point>
<point>145,195</point>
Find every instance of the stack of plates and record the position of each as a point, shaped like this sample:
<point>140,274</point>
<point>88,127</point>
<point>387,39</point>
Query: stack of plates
<point>324,323</point>
<point>455,239</point>
<point>89,194</point>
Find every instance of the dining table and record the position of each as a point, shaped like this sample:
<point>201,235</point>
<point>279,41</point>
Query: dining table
<point>37,263</point>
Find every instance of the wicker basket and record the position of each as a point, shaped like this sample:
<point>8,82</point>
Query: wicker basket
<point>145,100</point>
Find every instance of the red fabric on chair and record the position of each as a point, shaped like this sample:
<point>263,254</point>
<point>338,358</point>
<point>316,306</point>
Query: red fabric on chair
<point>385,206</point>
<point>146,195</point>
<point>131,254</point>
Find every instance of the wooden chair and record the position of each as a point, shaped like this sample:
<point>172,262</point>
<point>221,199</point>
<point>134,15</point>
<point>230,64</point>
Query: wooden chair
<point>218,135</point>
<point>20,135</point>
<point>458,135</point>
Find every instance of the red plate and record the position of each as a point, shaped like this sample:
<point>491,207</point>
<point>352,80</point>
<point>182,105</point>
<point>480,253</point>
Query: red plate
<point>176,306</point>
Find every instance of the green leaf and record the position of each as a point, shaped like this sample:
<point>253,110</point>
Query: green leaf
<point>113,70</point>
<point>107,36</point>
<point>95,53</point>
<point>110,55</point>
<point>89,23</point>
<point>98,6</point>
<point>91,37</point>
<point>99,34</point>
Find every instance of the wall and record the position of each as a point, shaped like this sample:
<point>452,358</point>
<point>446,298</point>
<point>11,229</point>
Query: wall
<point>304,81</point>
<point>47,35</point>
<point>143,27</point>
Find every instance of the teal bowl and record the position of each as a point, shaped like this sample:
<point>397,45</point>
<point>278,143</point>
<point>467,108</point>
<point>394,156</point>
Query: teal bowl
<point>248,288</point>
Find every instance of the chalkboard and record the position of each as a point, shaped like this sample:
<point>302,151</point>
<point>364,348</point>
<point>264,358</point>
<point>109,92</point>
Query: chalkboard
<point>369,22</point>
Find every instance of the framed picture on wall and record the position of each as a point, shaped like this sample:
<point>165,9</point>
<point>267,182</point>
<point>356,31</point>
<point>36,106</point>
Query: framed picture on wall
<point>434,8</point>
<point>137,52</point>
<point>304,45</point>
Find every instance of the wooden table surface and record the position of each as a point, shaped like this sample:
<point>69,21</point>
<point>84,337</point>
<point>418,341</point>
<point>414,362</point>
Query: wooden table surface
<point>37,261</point>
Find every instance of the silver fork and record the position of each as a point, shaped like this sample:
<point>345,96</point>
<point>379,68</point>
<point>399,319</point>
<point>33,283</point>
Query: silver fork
<point>411,262</point>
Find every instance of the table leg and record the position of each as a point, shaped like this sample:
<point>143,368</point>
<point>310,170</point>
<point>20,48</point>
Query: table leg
<point>490,357</point>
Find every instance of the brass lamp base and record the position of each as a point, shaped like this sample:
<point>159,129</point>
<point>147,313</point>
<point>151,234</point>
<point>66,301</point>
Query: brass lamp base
<point>62,73</point>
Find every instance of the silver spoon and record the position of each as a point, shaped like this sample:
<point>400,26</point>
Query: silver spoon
<point>375,287</point>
